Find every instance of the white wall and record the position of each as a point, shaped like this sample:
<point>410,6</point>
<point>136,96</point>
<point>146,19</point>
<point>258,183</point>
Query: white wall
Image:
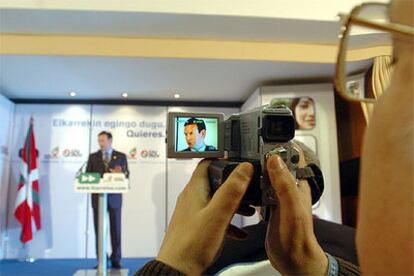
<point>255,100</point>
<point>6,123</point>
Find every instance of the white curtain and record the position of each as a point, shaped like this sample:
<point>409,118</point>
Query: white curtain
<point>381,76</point>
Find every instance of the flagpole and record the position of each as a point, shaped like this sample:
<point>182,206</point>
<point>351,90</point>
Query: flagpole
<point>28,259</point>
<point>27,209</point>
<point>25,255</point>
<point>28,246</point>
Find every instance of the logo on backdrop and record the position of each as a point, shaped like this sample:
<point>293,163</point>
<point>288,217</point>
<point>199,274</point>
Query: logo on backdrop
<point>4,150</point>
<point>149,154</point>
<point>133,153</point>
<point>71,153</point>
<point>53,154</point>
<point>56,153</point>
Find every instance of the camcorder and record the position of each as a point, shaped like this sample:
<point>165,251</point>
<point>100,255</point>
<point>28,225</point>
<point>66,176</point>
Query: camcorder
<point>251,136</point>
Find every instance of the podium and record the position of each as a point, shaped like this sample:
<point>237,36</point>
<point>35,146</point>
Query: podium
<point>109,183</point>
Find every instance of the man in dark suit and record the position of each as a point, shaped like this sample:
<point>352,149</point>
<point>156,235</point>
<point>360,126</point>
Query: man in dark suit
<point>195,133</point>
<point>108,160</point>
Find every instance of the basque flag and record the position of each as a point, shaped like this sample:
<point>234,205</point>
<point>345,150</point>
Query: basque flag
<point>27,209</point>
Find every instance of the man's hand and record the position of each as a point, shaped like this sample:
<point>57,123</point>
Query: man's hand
<point>117,169</point>
<point>198,226</point>
<point>290,244</point>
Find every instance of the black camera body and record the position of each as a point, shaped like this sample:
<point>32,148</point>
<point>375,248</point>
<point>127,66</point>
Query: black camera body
<point>252,137</point>
<point>219,171</point>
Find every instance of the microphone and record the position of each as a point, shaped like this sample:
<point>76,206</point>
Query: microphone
<point>79,172</point>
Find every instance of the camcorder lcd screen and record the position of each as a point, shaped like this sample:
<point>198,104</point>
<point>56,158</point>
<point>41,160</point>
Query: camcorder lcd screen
<point>195,135</point>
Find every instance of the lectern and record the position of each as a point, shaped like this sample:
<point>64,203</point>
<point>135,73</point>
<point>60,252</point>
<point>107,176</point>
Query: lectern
<point>109,183</point>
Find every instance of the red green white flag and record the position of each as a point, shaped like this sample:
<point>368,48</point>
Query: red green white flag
<point>27,208</point>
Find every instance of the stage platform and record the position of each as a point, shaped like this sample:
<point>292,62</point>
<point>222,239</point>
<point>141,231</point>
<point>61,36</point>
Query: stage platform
<point>57,267</point>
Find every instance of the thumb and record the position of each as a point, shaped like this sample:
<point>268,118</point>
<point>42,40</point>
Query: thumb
<point>282,181</point>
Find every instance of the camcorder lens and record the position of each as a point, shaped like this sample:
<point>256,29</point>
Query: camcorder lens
<point>278,128</point>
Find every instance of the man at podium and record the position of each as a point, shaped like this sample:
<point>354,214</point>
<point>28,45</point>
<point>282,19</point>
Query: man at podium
<point>105,160</point>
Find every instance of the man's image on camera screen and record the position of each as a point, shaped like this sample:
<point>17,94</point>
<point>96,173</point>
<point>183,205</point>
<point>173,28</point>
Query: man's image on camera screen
<point>195,133</point>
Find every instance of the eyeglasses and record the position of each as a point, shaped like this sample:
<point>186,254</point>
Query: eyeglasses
<point>366,45</point>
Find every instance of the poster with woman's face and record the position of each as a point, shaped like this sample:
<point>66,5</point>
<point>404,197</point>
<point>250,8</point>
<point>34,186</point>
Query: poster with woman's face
<point>355,85</point>
<point>303,109</point>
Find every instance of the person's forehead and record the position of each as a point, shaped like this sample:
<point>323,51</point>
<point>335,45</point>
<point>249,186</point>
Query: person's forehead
<point>305,100</point>
<point>190,126</point>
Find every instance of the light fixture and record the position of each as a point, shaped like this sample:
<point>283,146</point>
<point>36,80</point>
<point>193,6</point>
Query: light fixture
<point>177,96</point>
<point>72,94</point>
<point>124,95</point>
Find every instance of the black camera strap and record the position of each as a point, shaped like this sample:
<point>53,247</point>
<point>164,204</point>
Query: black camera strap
<point>313,175</point>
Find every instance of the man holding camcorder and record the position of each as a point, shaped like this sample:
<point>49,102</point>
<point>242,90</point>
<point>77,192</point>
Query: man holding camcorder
<point>385,227</point>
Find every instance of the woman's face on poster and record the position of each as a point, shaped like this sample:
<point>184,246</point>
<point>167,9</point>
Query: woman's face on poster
<point>305,113</point>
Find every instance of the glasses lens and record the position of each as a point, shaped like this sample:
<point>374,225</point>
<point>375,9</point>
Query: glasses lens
<point>368,48</point>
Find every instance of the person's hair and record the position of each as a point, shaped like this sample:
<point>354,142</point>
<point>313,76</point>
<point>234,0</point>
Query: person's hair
<point>193,121</point>
<point>292,106</point>
<point>107,133</point>
<point>296,101</point>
